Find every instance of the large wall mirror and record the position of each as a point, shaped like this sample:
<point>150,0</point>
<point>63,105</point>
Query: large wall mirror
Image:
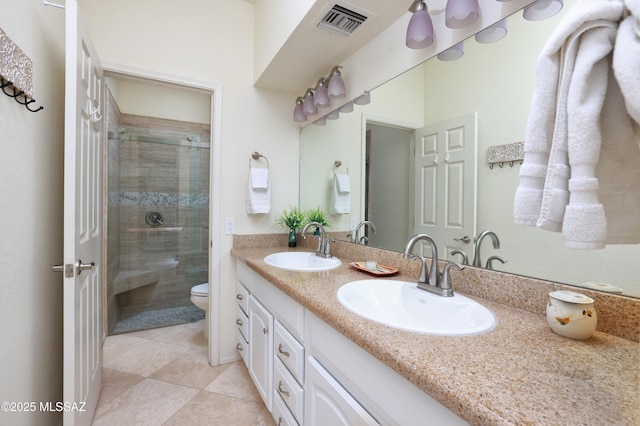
<point>492,85</point>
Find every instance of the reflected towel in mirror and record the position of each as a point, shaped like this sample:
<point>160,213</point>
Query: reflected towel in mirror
<point>340,195</point>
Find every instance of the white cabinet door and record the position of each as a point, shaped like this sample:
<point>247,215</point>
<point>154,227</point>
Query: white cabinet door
<point>261,349</point>
<point>328,403</point>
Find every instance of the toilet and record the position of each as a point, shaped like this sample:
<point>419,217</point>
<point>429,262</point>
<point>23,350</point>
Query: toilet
<point>200,298</point>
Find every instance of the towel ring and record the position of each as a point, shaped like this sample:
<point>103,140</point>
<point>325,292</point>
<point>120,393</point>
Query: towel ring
<point>255,155</point>
<point>337,164</point>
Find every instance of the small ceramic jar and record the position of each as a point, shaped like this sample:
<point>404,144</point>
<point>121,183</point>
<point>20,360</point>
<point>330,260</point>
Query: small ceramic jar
<point>571,314</point>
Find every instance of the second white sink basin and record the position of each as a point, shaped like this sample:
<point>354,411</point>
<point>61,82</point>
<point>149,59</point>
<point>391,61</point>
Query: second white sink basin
<point>402,305</point>
<point>302,261</point>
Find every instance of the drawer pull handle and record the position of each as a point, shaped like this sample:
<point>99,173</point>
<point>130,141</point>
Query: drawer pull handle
<point>239,322</point>
<point>279,421</point>
<point>282,351</point>
<point>239,296</point>
<point>265,330</point>
<point>239,347</point>
<point>282,391</point>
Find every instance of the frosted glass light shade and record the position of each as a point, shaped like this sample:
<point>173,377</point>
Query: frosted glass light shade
<point>321,98</point>
<point>308,107</point>
<point>493,33</point>
<point>348,107</point>
<point>333,115</point>
<point>420,30</point>
<point>454,52</point>
<point>461,13</point>
<point>320,121</point>
<point>542,9</point>
<point>336,87</point>
<point>363,99</point>
<point>298,115</point>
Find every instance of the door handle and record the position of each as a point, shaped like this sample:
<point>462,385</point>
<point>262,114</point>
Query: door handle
<point>84,266</point>
<point>464,239</point>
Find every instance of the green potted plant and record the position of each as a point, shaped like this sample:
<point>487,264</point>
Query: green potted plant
<point>317,215</point>
<point>291,219</point>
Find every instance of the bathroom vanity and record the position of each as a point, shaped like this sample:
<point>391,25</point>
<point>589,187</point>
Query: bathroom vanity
<point>314,362</point>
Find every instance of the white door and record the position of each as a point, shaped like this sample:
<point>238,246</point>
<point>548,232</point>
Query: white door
<point>445,199</point>
<point>82,223</point>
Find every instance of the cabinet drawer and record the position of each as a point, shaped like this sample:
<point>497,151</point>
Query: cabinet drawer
<point>289,390</point>
<point>242,323</point>
<point>281,413</point>
<point>243,348</point>
<point>242,297</point>
<point>289,351</point>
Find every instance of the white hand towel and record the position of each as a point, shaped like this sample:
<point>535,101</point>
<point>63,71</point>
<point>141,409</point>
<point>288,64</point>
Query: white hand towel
<point>626,59</point>
<point>618,170</point>
<point>340,201</point>
<point>259,178</point>
<point>575,53</point>
<point>258,199</point>
<point>344,185</point>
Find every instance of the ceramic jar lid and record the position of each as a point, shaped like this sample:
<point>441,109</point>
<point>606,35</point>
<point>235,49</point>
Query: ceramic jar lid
<point>570,296</point>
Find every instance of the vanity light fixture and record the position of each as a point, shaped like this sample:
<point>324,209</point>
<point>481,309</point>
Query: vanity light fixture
<point>364,99</point>
<point>493,33</point>
<point>298,114</point>
<point>336,84</point>
<point>461,13</point>
<point>321,98</point>
<point>308,106</point>
<point>327,88</point>
<point>420,29</point>
<point>542,9</point>
<point>454,52</point>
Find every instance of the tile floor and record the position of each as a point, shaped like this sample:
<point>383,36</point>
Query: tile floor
<point>162,377</point>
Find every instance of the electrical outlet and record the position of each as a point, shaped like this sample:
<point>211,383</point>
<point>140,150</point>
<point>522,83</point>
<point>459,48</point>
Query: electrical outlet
<point>353,222</point>
<point>230,225</point>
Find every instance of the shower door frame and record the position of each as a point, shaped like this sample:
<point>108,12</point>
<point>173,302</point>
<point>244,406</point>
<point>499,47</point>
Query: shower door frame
<point>215,91</point>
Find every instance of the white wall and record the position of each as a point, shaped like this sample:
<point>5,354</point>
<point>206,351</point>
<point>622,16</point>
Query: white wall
<point>213,45</point>
<point>31,177</point>
<point>139,97</point>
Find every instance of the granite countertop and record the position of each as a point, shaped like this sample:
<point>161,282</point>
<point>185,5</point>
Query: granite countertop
<point>520,372</point>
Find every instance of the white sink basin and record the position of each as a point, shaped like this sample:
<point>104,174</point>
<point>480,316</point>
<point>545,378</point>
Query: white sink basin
<point>402,305</point>
<point>301,261</point>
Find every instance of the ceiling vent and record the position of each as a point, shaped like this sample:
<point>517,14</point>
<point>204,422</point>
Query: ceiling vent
<point>341,21</point>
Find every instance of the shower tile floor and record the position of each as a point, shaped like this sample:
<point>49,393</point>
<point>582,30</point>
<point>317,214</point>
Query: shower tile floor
<point>162,377</point>
<point>157,318</point>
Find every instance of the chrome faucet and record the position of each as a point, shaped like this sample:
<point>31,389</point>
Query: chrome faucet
<point>465,258</point>
<point>432,281</point>
<point>324,248</point>
<point>356,238</point>
<point>476,253</point>
<point>491,259</point>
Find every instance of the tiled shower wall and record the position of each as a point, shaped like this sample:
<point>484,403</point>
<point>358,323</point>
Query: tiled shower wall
<point>157,266</point>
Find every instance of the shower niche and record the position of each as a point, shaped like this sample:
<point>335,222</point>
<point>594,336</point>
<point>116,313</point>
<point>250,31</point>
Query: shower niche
<point>158,208</point>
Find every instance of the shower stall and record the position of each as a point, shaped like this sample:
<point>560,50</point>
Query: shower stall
<point>157,221</point>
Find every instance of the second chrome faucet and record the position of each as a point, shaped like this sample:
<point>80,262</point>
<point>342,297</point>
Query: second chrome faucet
<point>430,279</point>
